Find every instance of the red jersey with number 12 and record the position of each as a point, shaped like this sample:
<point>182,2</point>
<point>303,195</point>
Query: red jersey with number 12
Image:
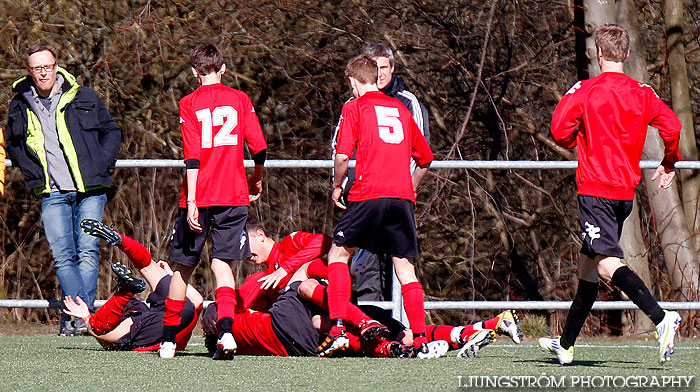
<point>215,121</point>
<point>387,138</point>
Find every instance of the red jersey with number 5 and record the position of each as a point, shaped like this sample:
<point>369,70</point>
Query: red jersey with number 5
<point>387,138</point>
<point>215,121</point>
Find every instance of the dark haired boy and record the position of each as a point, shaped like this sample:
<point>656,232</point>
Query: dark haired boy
<point>215,121</point>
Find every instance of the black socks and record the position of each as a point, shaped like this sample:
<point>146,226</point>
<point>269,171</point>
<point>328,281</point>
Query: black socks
<point>637,291</point>
<point>581,306</point>
<point>224,325</point>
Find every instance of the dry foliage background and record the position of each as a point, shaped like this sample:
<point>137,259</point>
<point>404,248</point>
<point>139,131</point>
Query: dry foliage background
<point>497,235</point>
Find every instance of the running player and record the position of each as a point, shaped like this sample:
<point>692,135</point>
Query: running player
<point>124,323</point>
<point>606,119</point>
<point>215,122</point>
<point>379,215</point>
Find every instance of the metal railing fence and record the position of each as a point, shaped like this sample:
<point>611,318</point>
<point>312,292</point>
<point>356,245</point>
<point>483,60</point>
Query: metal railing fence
<point>396,305</point>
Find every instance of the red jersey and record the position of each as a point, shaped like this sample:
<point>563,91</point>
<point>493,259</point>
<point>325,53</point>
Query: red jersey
<point>606,119</point>
<point>215,121</point>
<point>295,250</point>
<point>387,138</point>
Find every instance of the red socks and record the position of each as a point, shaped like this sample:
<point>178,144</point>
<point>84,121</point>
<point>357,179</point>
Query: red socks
<point>173,308</point>
<point>456,336</point>
<point>107,317</point>
<point>317,269</point>
<point>338,290</point>
<point>355,316</point>
<point>137,253</point>
<point>225,303</point>
<point>415,310</point>
<point>439,332</point>
<point>491,323</point>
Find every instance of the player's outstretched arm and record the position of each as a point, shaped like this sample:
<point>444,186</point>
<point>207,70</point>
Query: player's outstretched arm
<point>271,281</point>
<point>666,176</point>
<point>76,308</point>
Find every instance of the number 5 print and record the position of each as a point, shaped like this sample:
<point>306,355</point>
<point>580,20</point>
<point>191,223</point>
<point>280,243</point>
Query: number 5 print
<point>390,127</point>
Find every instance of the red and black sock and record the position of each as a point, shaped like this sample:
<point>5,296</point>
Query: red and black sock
<point>172,318</point>
<point>136,252</point>
<point>456,336</point>
<point>225,308</point>
<point>108,316</point>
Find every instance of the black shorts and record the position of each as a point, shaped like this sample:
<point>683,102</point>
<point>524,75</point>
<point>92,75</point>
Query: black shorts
<point>601,221</point>
<point>291,322</point>
<point>147,327</point>
<point>380,226</point>
<point>228,235</point>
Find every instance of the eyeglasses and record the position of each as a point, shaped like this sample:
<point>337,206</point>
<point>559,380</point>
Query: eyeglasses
<point>46,68</point>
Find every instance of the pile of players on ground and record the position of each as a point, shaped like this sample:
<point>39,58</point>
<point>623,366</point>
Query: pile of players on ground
<point>291,321</point>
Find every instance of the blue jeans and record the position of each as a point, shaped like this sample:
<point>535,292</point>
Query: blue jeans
<point>76,255</point>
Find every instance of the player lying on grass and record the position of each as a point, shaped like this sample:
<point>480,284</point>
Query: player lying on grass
<point>124,323</point>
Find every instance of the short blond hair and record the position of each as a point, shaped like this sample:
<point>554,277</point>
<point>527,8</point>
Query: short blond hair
<point>613,41</point>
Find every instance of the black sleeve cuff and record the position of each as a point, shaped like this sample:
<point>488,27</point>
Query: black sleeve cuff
<point>260,157</point>
<point>192,163</point>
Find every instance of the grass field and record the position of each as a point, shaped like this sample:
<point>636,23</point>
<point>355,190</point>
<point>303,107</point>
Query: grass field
<point>50,363</point>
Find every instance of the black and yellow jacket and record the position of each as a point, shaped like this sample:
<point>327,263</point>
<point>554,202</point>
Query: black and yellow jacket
<point>89,137</point>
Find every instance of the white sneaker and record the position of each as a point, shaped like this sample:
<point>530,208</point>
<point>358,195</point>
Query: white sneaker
<point>476,342</point>
<point>509,325</point>
<point>333,345</point>
<point>665,332</point>
<point>225,347</point>
<point>167,350</point>
<point>553,346</point>
<point>432,350</point>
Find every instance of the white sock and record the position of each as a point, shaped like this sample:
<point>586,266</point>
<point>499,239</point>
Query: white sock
<point>456,335</point>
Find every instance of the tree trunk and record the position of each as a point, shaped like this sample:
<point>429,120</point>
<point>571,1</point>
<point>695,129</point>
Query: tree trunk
<point>680,94</point>
<point>680,257</point>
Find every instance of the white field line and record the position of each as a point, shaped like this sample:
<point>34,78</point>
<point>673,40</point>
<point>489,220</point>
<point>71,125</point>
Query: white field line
<point>679,346</point>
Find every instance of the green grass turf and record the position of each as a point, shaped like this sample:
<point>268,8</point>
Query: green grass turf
<point>48,363</point>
